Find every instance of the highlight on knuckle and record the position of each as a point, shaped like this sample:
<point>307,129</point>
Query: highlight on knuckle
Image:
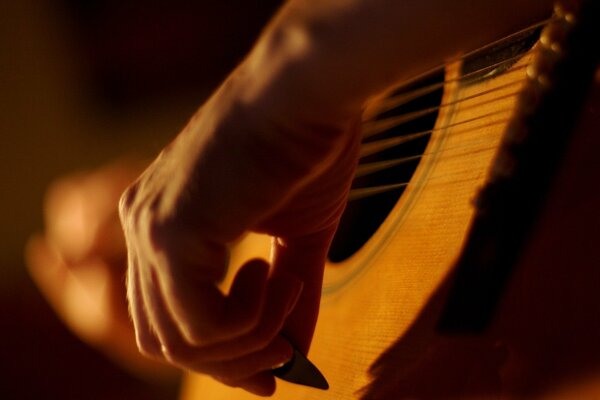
<point>176,352</point>
<point>193,336</point>
<point>147,348</point>
<point>158,234</point>
<point>261,340</point>
<point>147,351</point>
<point>245,325</point>
<point>127,200</point>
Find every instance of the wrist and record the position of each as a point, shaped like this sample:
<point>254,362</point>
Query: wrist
<point>288,77</point>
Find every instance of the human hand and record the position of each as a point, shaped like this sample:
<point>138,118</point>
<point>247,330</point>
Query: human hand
<point>79,263</point>
<point>235,168</point>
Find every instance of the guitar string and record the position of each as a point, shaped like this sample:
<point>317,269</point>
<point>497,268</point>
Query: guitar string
<point>442,66</point>
<point>365,169</point>
<point>376,146</point>
<point>376,166</point>
<point>402,98</point>
<point>376,127</point>
<point>368,168</point>
<point>371,148</point>
<point>363,192</point>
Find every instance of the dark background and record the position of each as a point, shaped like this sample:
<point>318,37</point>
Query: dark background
<point>83,83</point>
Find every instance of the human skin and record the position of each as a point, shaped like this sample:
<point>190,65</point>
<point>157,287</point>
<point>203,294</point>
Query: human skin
<point>273,151</point>
<point>79,262</point>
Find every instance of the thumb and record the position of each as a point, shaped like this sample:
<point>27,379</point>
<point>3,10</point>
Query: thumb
<point>304,258</point>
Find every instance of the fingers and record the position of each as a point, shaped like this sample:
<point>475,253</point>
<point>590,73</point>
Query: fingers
<point>261,384</point>
<point>203,315</point>
<point>303,257</point>
<point>278,352</point>
<point>236,361</point>
<point>246,296</point>
<point>146,341</point>
<point>282,293</point>
<point>188,266</point>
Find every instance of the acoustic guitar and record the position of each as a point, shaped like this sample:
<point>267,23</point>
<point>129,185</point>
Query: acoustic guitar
<point>467,264</point>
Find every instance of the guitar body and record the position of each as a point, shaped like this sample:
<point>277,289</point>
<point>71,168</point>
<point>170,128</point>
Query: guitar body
<point>377,335</point>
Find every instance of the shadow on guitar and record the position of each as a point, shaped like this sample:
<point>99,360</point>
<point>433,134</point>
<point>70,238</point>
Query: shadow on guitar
<point>544,340</point>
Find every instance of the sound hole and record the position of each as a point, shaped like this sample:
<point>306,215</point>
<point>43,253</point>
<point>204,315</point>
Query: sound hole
<point>363,216</point>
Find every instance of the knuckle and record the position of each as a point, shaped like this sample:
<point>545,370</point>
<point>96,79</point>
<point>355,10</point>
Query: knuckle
<point>261,340</point>
<point>245,325</point>
<point>267,332</point>
<point>157,232</point>
<point>147,348</point>
<point>140,219</point>
<point>147,351</point>
<point>193,336</point>
<point>213,331</point>
<point>127,200</point>
<point>176,352</point>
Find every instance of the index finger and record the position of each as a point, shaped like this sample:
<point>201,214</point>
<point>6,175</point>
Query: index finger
<point>204,314</point>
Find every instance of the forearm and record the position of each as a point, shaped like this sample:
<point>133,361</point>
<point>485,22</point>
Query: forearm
<point>328,56</point>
